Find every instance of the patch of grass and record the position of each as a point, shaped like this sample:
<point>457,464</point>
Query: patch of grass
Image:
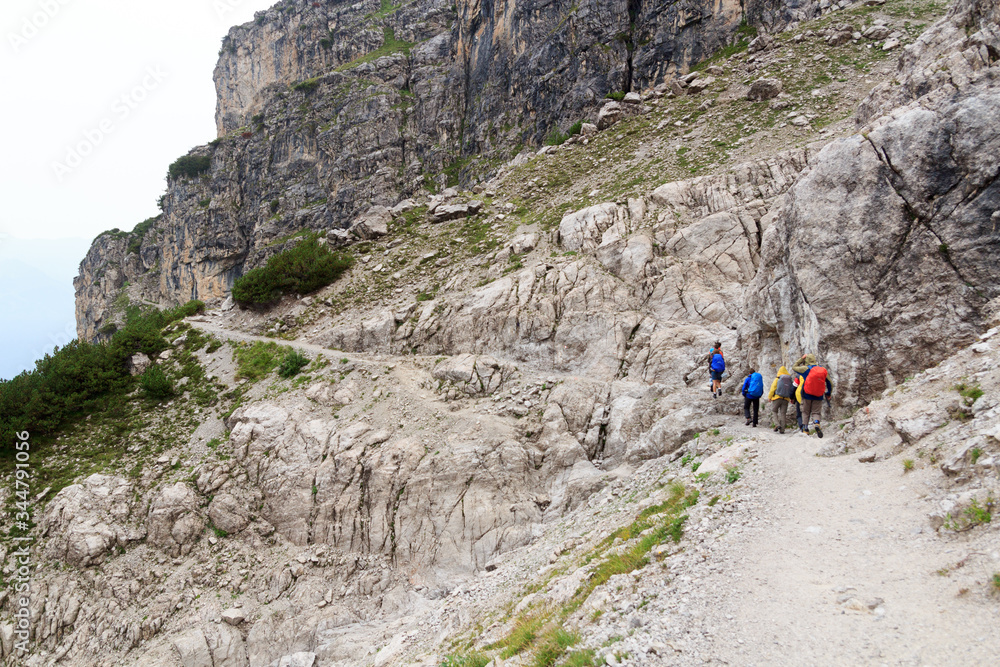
<point>293,362</point>
<point>971,393</point>
<point>733,474</point>
<point>975,454</point>
<point>257,360</point>
<point>521,636</point>
<point>617,96</point>
<point>390,46</point>
<point>582,658</point>
<point>995,582</point>
<point>473,659</point>
<point>552,645</point>
<point>907,465</point>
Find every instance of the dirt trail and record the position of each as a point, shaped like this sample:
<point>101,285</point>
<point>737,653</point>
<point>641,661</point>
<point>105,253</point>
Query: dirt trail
<point>838,567</point>
<point>202,323</point>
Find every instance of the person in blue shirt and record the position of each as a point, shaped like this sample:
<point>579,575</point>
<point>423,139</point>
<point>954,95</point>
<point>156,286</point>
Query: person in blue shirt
<point>753,389</point>
<point>717,366</point>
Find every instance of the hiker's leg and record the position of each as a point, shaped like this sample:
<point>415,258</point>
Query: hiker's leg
<point>746,409</point>
<point>756,410</point>
<point>780,408</point>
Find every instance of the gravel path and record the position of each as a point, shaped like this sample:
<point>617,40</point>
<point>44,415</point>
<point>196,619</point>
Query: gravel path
<point>838,567</point>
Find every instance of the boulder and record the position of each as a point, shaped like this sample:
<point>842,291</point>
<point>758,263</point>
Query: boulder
<point>87,520</point>
<point>174,524</point>
<point>588,129</point>
<point>632,98</point>
<point>234,616</point>
<point>373,224</point>
<point>227,513</point>
<point>764,89</point>
<point>474,375</point>
<point>609,114</point>
<point>700,84</point>
<point>138,363</point>
<point>446,212</point>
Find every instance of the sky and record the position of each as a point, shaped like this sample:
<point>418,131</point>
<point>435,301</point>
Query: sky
<point>100,96</point>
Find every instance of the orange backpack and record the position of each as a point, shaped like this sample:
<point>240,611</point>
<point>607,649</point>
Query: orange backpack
<point>815,381</point>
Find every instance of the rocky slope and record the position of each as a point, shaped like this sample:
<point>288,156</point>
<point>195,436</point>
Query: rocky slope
<point>328,108</point>
<point>507,392</point>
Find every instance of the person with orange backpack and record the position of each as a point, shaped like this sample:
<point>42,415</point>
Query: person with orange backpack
<point>816,387</point>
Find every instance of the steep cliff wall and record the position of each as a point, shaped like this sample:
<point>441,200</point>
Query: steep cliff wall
<point>328,108</point>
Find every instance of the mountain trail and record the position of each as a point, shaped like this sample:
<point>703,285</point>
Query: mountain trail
<point>837,565</point>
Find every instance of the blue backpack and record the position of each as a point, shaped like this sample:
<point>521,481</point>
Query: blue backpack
<point>755,386</point>
<point>718,363</point>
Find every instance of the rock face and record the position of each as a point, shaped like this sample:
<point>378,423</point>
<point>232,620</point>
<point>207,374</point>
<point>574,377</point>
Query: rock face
<point>881,260</point>
<point>326,109</point>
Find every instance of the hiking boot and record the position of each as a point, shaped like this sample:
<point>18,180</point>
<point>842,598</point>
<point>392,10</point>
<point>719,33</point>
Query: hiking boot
<point>755,424</point>
<point>781,431</point>
<point>747,423</point>
<point>819,431</point>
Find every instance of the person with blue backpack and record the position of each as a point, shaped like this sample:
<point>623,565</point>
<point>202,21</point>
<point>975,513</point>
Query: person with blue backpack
<point>753,389</point>
<point>717,366</point>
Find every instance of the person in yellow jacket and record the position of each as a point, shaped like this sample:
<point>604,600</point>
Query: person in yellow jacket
<point>782,391</point>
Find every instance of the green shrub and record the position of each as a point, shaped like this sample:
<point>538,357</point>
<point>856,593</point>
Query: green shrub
<point>575,128</point>
<point>293,362</point>
<point>139,233</point>
<point>618,96</point>
<point>189,166</point>
<point>305,268</point>
<point>556,138</point>
<point>82,378</point>
<point>156,384</point>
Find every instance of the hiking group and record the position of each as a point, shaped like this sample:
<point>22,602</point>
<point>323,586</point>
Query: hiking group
<point>807,386</point>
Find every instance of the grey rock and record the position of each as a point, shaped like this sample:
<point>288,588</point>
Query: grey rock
<point>764,89</point>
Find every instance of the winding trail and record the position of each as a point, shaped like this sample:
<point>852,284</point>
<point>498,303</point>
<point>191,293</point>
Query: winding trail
<point>839,567</point>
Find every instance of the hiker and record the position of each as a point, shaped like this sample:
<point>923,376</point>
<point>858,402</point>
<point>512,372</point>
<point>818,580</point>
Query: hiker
<point>816,388</point>
<point>717,366</point>
<point>782,391</point>
<point>798,368</point>
<point>753,389</point>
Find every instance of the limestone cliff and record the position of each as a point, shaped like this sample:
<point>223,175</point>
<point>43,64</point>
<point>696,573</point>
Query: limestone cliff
<point>328,108</point>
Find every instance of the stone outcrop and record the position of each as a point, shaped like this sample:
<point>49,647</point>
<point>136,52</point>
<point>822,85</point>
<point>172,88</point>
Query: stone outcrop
<point>880,259</point>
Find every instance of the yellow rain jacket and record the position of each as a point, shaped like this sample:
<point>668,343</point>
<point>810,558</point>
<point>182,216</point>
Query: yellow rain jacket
<point>773,394</point>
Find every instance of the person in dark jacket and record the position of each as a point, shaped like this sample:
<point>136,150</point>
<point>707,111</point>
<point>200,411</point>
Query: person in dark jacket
<point>753,389</point>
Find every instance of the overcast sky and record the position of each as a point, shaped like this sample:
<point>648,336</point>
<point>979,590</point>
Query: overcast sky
<point>99,97</point>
